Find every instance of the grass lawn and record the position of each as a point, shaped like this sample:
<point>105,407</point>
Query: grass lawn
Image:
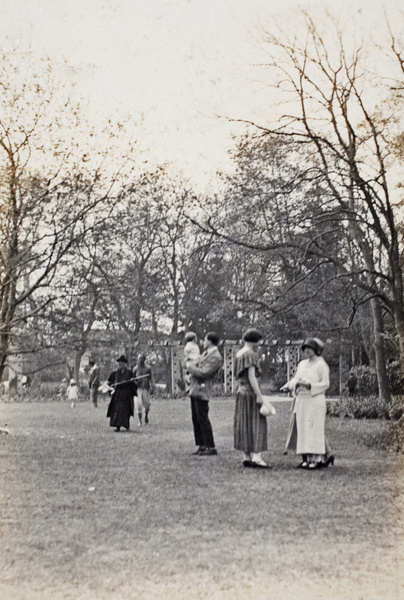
<point>86,513</point>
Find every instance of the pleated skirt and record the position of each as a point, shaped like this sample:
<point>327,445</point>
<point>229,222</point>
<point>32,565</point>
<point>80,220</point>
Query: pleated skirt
<point>250,427</point>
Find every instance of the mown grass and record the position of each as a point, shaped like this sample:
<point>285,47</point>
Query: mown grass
<point>90,514</point>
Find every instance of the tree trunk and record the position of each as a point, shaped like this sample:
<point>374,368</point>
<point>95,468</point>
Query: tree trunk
<point>398,299</point>
<point>380,356</point>
<point>368,260</point>
<point>8,283</point>
<point>77,361</point>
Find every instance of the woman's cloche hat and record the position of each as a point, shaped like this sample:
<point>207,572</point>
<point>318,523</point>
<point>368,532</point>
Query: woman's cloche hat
<point>315,344</point>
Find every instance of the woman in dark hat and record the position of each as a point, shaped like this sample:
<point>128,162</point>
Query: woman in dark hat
<point>309,384</point>
<point>250,427</point>
<point>120,408</point>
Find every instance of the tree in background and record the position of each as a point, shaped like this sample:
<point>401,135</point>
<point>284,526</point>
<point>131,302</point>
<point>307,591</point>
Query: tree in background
<point>322,84</point>
<point>53,193</point>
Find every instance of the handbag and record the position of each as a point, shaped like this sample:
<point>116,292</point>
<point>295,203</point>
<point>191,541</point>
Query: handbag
<point>267,408</point>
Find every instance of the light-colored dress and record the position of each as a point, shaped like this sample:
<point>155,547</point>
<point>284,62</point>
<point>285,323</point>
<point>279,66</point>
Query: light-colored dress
<point>72,393</point>
<point>310,405</point>
<point>250,427</point>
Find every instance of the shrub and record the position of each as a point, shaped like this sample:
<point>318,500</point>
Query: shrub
<point>368,407</point>
<point>396,379</point>
<point>359,407</point>
<point>372,407</point>
<point>398,435</point>
<point>367,380</point>
<point>396,408</point>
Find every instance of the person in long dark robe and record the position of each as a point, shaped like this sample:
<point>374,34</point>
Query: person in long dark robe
<point>120,408</point>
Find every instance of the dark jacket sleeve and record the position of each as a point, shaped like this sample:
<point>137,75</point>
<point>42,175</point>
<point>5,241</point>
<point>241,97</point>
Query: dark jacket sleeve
<point>112,378</point>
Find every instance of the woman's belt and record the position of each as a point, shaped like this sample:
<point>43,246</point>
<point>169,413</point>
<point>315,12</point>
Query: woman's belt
<point>242,387</point>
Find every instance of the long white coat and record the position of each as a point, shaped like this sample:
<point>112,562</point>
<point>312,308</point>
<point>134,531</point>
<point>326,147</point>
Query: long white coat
<point>310,405</point>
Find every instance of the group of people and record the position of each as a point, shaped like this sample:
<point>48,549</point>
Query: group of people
<point>308,386</point>
<point>131,389</point>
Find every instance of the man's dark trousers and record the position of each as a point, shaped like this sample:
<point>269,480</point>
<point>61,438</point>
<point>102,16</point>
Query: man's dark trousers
<point>202,428</point>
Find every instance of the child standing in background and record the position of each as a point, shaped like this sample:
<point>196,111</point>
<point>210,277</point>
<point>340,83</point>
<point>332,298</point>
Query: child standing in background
<point>191,353</point>
<point>72,393</point>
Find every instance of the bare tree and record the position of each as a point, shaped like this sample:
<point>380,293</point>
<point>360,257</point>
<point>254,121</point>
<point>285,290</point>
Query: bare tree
<point>331,114</point>
<point>50,196</point>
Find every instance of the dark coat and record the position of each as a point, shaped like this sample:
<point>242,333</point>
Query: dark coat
<point>120,408</point>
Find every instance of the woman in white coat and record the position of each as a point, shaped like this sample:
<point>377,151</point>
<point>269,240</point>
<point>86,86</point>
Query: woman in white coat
<point>309,384</point>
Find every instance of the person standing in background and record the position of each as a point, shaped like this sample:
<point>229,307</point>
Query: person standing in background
<point>352,381</point>
<point>120,408</point>
<point>145,387</point>
<point>61,393</point>
<point>203,371</point>
<point>94,382</point>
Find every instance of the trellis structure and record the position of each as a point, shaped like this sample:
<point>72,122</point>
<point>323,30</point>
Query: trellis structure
<point>176,364</point>
<point>230,349</point>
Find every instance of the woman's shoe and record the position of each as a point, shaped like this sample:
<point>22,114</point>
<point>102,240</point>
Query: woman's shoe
<point>259,464</point>
<point>314,465</point>
<point>303,465</point>
<point>247,463</point>
<point>329,461</point>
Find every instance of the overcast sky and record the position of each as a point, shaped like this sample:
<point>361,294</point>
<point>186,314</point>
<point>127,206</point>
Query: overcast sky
<point>175,63</point>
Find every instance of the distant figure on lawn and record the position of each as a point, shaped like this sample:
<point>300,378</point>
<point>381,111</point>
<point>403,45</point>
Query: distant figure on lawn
<point>120,408</point>
<point>203,371</point>
<point>309,384</point>
<point>191,353</point>
<point>72,393</point>
<point>145,387</point>
<point>352,381</point>
<point>250,426</point>
<point>62,389</point>
<point>94,382</point>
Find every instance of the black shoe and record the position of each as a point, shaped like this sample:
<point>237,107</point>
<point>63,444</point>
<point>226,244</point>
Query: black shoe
<point>329,461</point>
<point>260,465</point>
<point>247,463</point>
<point>199,451</point>
<point>208,452</point>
